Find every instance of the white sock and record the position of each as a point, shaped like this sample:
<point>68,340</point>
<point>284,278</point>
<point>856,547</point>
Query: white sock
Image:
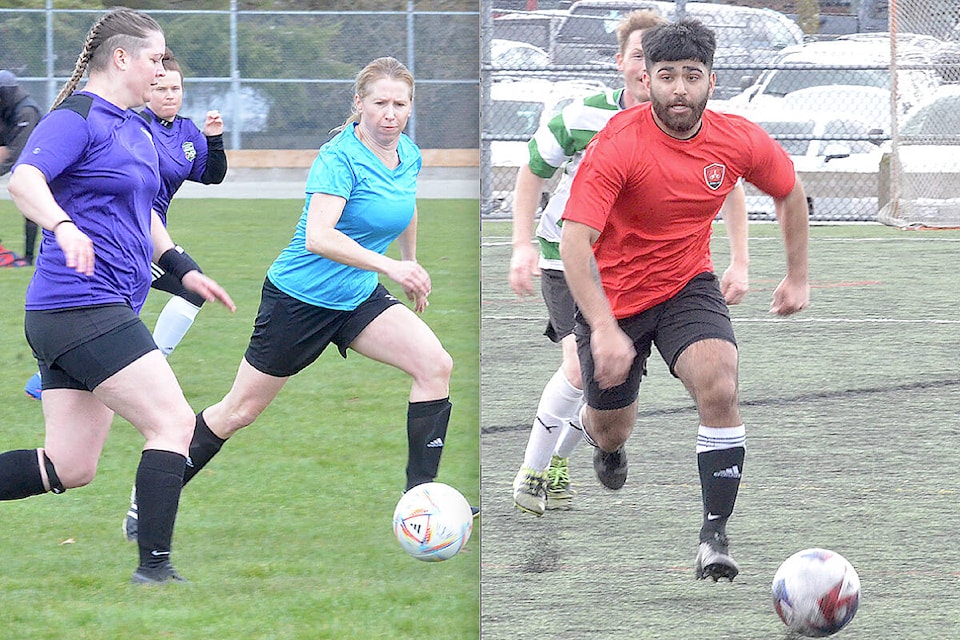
<point>174,321</point>
<point>719,438</point>
<point>572,434</point>
<point>558,402</point>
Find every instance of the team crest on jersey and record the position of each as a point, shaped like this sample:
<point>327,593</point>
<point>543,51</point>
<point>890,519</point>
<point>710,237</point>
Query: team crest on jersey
<point>189,151</point>
<point>714,174</point>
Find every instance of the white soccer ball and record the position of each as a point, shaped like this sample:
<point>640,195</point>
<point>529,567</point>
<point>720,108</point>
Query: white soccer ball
<point>816,592</point>
<point>432,522</point>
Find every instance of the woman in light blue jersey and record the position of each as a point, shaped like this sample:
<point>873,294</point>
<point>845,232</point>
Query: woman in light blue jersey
<point>324,286</point>
<point>88,177</point>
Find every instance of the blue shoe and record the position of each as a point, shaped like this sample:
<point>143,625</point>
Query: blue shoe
<point>32,388</point>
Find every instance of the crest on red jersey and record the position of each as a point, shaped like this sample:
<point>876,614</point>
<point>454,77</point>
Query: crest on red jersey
<point>713,174</point>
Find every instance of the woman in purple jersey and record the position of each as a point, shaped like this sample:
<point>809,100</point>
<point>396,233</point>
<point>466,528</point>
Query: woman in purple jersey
<point>185,153</point>
<point>88,177</point>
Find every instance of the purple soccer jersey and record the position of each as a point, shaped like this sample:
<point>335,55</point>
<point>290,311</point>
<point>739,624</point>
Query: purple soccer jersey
<point>182,149</point>
<point>102,168</point>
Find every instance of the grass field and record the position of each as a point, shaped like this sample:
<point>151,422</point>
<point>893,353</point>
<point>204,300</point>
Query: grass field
<point>286,534</point>
<point>851,414</point>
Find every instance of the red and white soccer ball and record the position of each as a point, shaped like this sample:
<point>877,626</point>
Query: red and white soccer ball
<point>816,592</point>
<point>432,522</point>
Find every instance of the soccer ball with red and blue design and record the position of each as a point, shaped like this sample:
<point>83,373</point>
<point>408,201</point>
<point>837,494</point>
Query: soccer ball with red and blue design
<point>816,592</point>
<point>432,522</point>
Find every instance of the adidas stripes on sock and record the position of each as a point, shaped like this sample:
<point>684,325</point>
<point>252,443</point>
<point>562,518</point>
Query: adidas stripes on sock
<point>159,481</point>
<point>558,404</point>
<point>720,455</point>
<point>204,445</point>
<point>426,430</point>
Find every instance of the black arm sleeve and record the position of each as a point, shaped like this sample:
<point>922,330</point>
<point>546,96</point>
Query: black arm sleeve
<point>216,167</point>
<point>27,119</point>
<point>177,262</point>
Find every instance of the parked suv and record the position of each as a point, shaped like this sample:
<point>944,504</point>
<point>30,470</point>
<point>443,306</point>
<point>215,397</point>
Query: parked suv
<point>850,62</point>
<point>747,38</point>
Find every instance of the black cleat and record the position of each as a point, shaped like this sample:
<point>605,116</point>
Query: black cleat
<point>611,468</point>
<point>156,575</point>
<point>714,559</point>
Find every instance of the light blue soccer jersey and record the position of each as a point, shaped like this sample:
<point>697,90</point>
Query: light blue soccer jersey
<point>380,205</point>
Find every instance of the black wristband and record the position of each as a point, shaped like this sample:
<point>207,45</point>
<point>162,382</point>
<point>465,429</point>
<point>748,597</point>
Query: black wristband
<point>177,263</point>
<point>53,229</point>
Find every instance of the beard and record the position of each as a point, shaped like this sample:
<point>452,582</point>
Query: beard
<point>681,123</point>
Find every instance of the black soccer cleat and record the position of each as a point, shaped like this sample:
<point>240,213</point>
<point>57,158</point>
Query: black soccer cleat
<point>156,575</point>
<point>611,468</point>
<point>714,559</point>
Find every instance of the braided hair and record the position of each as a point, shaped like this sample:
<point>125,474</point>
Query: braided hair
<point>120,28</point>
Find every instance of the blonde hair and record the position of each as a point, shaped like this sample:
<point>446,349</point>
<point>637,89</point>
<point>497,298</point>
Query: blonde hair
<point>120,28</point>
<point>385,67</point>
<point>639,20</point>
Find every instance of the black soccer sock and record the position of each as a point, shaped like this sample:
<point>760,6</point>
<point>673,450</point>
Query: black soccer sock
<point>720,471</point>
<point>204,445</point>
<point>426,429</point>
<point>20,474</point>
<point>159,481</point>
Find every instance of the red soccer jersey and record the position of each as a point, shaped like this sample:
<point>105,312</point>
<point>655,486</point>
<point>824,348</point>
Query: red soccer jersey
<point>653,198</point>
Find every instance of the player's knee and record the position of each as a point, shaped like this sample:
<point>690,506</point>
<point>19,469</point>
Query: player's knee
<point>438,366</point>
<point>69,476</point>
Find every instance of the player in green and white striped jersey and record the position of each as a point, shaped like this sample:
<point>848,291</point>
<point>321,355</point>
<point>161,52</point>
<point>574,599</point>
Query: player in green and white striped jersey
<point>543,480</point>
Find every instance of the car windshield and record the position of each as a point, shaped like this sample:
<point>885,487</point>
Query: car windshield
<point>940,119</point>
<point>793,135</point>
<point>783,81</point>
<point>597,25</point>
<point>514,118</point>
<point>796,135</point>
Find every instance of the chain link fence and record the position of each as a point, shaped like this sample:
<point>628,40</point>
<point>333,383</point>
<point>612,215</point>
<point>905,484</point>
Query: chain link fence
<point>834,100</point>
<point>281,79</point>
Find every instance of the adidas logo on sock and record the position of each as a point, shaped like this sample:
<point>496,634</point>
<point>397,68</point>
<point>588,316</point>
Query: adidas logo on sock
<point>435,443</point>
<point>730,472</point>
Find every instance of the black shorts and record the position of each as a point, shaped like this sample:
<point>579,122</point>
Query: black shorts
<point>560,305</point>
<point>289,335</point>
<point>698,312</point>
<point>81,347</point>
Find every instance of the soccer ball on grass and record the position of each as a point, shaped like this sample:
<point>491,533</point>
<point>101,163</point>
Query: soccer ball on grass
<point>432,522</point>
<point>816,592</point>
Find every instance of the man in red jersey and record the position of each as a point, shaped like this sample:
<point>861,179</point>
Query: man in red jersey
<point>635,247</point>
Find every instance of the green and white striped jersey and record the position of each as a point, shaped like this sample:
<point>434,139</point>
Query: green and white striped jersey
<point>559,144</point>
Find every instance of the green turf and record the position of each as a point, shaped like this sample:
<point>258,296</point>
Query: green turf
<point>287,534</point>
<point>851,415</point>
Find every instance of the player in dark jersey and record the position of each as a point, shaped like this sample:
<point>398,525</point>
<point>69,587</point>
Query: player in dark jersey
<point>19,114</point>
<point>184,154</point>
<point>88,177</point>
<point>635,247</point>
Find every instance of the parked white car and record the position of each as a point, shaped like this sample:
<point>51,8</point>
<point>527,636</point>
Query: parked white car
<point>930,134</point>
<point>849,62</point>
<point>518,108</point>
<point>837,156</point>
<point>513,55</point>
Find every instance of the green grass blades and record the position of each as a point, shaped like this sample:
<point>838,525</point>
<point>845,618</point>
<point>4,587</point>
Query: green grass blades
<point>287,534</point>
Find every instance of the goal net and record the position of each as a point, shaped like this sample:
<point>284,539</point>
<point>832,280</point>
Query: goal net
<point>920,176</point>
